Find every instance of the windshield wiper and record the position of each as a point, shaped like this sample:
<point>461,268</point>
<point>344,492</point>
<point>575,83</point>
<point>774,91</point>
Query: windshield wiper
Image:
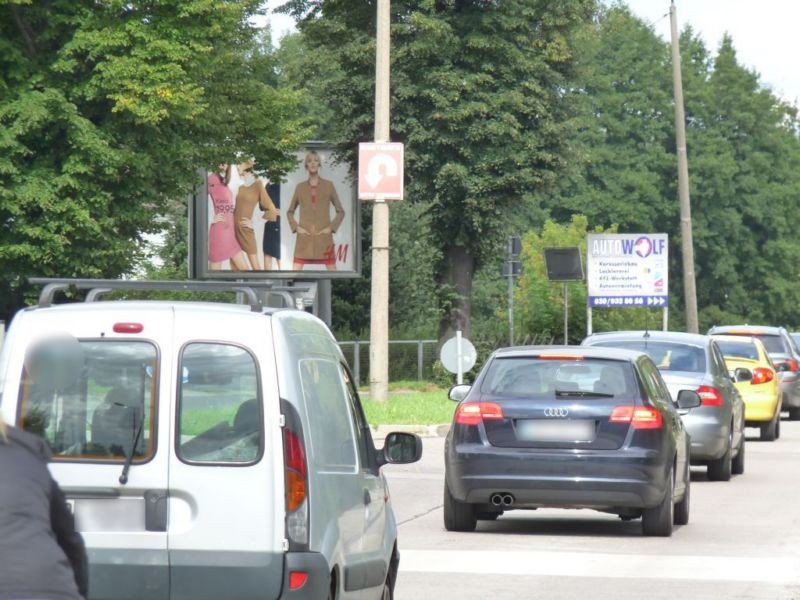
<point>582,394</point>
<point>123,478</point>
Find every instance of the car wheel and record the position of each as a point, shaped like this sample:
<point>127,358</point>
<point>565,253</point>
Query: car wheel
<point>737,468</point>
<point>794,414</point>
<point>778,426</point>
<point>720,469</point>
<point>769,431</point>
<point>658,520</point>
<point>458,516</point>
<point>682,508</point>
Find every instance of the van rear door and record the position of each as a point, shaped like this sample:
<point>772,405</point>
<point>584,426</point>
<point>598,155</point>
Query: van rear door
<point>96,403</point>
<point>225,474</point>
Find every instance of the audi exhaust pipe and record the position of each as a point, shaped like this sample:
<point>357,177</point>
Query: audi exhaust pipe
<point>502,500</point>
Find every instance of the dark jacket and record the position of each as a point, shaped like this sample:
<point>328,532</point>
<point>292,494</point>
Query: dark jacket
<point>41,554</point>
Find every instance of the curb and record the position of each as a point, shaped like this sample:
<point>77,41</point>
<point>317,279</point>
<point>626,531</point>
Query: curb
<point>439,430</point>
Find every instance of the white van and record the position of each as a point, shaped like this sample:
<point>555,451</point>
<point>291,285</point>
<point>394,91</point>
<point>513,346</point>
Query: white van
<point>208,450</point>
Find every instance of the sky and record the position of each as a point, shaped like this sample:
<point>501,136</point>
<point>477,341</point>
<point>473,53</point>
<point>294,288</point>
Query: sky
<point>765,33</point>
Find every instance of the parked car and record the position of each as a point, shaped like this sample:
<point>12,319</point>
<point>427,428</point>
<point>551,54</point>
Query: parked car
<point>692,361</point>
<point>207,450</point>
<point>568,427</point>
<point>747,360</point>
<point>784,354</point>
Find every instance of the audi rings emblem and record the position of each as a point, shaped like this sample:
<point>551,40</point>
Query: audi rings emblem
<point>556,412</point>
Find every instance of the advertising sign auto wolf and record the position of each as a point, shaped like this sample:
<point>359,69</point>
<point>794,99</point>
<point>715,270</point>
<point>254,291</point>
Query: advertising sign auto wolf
<point>307,226</point>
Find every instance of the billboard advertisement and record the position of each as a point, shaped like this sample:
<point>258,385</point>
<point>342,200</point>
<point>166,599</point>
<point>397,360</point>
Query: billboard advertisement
<point>627,270</point>
<point>304,227</point>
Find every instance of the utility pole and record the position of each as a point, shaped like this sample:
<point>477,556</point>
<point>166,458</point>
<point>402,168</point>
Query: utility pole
<point>379,313</point>
<point>687,244</point>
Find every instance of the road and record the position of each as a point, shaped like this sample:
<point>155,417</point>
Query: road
<point>742,540</point>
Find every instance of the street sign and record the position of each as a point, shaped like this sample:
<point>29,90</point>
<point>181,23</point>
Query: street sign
<point>449,354</point>
<point>563,264</point>
<point>512,268</point>
<point>380,171</point>
<point>627,270</point>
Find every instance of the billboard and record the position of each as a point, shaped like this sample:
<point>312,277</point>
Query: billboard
<point>244,226</point>
<point>627,270</point>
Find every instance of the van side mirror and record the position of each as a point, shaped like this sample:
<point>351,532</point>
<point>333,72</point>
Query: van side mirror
<point>459,392</point>
<point>400,448</point>
<point>742,374</point>
<point>688,399</point>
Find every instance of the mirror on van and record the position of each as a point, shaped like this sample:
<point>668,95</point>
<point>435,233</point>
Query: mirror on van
<point>401,448</point>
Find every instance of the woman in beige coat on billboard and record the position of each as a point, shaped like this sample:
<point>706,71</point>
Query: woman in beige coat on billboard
<point>315,228</point>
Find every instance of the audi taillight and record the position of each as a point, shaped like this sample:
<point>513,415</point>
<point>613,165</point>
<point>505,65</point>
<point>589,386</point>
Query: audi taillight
<point>641,417</point>
<point>709,396</point>
<point>472,413</point>
<point>762,375</point>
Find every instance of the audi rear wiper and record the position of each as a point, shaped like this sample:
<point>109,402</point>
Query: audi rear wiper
<point>582,394</point>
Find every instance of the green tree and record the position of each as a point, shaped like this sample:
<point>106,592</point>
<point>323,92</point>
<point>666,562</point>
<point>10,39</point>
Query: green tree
<point>107,110</point>
<point>479,98</point>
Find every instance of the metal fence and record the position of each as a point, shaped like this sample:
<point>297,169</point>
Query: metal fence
<point>414,359</point>
<point>408,359</point>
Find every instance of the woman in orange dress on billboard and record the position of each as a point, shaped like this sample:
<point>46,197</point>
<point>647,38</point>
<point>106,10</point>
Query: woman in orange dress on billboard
<point>315,228</point>
<point>250,194</point>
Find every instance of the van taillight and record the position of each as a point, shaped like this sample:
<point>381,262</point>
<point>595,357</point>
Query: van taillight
<point>641,417</point>
<point>762,375</point>
<point>709,396</point>
<point>472,413</point>
<point>296,470</point>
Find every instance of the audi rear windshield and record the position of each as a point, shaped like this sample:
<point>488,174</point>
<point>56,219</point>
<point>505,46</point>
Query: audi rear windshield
<point>521,377</point>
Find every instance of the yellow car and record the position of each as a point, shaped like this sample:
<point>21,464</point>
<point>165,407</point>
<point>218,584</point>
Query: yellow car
<point>761,389</point>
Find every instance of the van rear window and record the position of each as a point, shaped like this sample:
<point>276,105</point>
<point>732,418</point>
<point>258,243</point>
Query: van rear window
<point>219,406</point>
<point>91,399</point>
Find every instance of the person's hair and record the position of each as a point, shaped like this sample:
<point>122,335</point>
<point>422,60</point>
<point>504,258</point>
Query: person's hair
<point>309,154</point>
<point>226,179</point>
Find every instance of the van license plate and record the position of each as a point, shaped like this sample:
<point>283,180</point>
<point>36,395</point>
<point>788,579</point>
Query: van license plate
<point>537,430</point>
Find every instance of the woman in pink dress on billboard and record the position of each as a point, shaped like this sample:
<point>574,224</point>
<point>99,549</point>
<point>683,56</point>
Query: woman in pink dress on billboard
<point>222,244</point>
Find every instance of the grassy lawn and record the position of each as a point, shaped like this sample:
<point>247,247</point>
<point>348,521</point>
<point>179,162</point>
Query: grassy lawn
<point>410,403</point>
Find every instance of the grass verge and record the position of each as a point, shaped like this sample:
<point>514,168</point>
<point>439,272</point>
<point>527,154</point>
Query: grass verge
<point>409,403</point>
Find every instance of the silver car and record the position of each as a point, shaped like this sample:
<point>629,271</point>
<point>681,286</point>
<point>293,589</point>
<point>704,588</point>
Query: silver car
<point>692,361</point>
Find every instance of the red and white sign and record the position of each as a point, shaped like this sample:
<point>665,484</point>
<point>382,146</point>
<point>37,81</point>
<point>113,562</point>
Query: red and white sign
<point>380,171</point>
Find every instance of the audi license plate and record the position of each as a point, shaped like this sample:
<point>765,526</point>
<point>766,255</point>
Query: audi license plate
<point>567,430</point>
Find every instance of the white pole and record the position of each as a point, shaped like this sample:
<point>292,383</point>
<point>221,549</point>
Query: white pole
<point>460,371</point>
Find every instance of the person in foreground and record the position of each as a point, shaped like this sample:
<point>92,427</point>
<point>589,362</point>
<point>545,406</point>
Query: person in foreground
<point>42,557</point>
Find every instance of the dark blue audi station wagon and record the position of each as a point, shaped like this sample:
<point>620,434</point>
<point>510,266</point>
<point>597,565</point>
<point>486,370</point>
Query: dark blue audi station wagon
<point>568,427</point>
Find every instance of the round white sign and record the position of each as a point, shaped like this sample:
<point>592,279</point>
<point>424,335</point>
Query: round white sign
<point>449,355</point>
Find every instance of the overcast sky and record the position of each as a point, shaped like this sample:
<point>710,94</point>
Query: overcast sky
<point>765,32</point>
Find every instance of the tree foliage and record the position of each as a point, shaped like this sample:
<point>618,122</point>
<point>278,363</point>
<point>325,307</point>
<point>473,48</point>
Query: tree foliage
<point>107,110</point>
<point>479,99</point>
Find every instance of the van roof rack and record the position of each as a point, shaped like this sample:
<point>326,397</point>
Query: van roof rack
<point>98,287</point>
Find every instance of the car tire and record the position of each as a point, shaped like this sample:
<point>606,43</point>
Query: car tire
<point>720,469</point>
<point>737,467</point>
<point>458,516</point>
<point>388,586</point>
<point>794,414</point>
<point>769,431</point>
<point>681,515</point>
<point>659,519</point>
<point>778,427</point>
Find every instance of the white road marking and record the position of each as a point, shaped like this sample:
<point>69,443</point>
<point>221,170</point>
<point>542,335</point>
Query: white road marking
<point>780,570</point>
